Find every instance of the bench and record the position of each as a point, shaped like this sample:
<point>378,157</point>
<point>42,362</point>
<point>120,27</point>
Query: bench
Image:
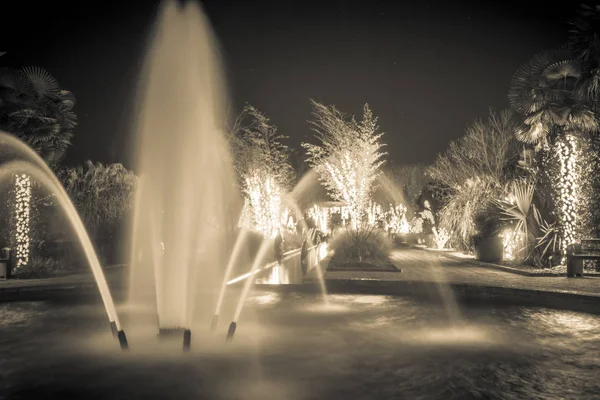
<point>587,249</point>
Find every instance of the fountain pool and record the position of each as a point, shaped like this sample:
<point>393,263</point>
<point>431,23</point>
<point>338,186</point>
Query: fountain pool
<point>291,346</point>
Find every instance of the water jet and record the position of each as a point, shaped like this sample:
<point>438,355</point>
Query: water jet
<point>183,204</point>
<point>214,322</point>
<point>113,329</point>
<point>36,168</point>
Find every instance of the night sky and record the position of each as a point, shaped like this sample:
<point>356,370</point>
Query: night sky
<point>426,68</point>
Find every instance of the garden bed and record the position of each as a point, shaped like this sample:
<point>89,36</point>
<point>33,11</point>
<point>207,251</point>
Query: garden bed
<point>355,265</point>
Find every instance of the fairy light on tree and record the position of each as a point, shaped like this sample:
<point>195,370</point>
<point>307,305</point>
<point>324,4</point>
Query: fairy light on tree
<point>567,185</point>
<point>348,158</point>
<point>265,200</point>
<point>22,211</point>
<point>262,163</point>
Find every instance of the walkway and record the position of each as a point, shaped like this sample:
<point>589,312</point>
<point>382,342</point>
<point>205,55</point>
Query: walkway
<point>426,266</point>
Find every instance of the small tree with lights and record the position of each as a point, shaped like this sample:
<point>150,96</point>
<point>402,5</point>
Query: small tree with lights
<point>348,157</point>
<point>264,171</point>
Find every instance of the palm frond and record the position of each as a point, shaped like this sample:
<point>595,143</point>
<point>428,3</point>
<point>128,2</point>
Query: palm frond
<point>43,83</point>
<point>562,69</point>
<point>535,74</point>
<point>585,32</point>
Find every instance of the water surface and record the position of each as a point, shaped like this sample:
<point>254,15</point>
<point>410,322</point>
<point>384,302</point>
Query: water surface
<point>290,346</point>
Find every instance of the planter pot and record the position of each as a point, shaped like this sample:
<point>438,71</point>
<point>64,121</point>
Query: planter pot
<point>489,249</point>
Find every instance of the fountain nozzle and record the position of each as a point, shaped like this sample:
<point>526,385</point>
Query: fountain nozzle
<point>122,340</point>
<point>187,340</point>
<point>231,331</point>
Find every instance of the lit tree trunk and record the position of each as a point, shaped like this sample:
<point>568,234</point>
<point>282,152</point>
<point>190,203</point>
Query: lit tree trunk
<point>22,214</point>
<point>569,174</point>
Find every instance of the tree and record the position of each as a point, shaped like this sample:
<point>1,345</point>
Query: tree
<point>410,180</point>
<point>584,40</point>
<point>264,170</point>
<point>37,111</point>
<point>348,157</point>
<point>474,172</point>
<point>557,117</point>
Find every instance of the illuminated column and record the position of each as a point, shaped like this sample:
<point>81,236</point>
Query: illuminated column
<point>568,187</point>
<point>22,208</point>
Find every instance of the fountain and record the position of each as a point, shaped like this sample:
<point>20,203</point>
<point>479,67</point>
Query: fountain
<point>183,203</point>
<point>28,162</point>
<point>184,198</point>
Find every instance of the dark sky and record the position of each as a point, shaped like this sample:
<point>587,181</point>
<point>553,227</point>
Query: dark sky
<point>426,68</point>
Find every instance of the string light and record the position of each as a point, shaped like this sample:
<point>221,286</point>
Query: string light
<point>262,210</point>
<point>568,187</point>
<point>22,210</point>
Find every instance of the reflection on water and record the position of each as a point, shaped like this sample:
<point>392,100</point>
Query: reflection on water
<point>291,346</point>
<point>290,270</point>
<point>278,275</point>
<point>264,299</point>
<point>469,335</point>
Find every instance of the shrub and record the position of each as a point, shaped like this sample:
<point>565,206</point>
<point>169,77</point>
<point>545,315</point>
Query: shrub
<point>103,196</point>
<point>368,245</point>
<point>39,267</point>
<point>474,172</point>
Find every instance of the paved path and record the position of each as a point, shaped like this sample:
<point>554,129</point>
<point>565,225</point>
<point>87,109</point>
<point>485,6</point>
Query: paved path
<point>427,266</point>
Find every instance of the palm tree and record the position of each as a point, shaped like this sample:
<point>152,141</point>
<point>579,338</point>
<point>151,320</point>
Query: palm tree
<point>544,93</point>
<point>558,119</point>
<point>37,111</point>
<point>584,39</point>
